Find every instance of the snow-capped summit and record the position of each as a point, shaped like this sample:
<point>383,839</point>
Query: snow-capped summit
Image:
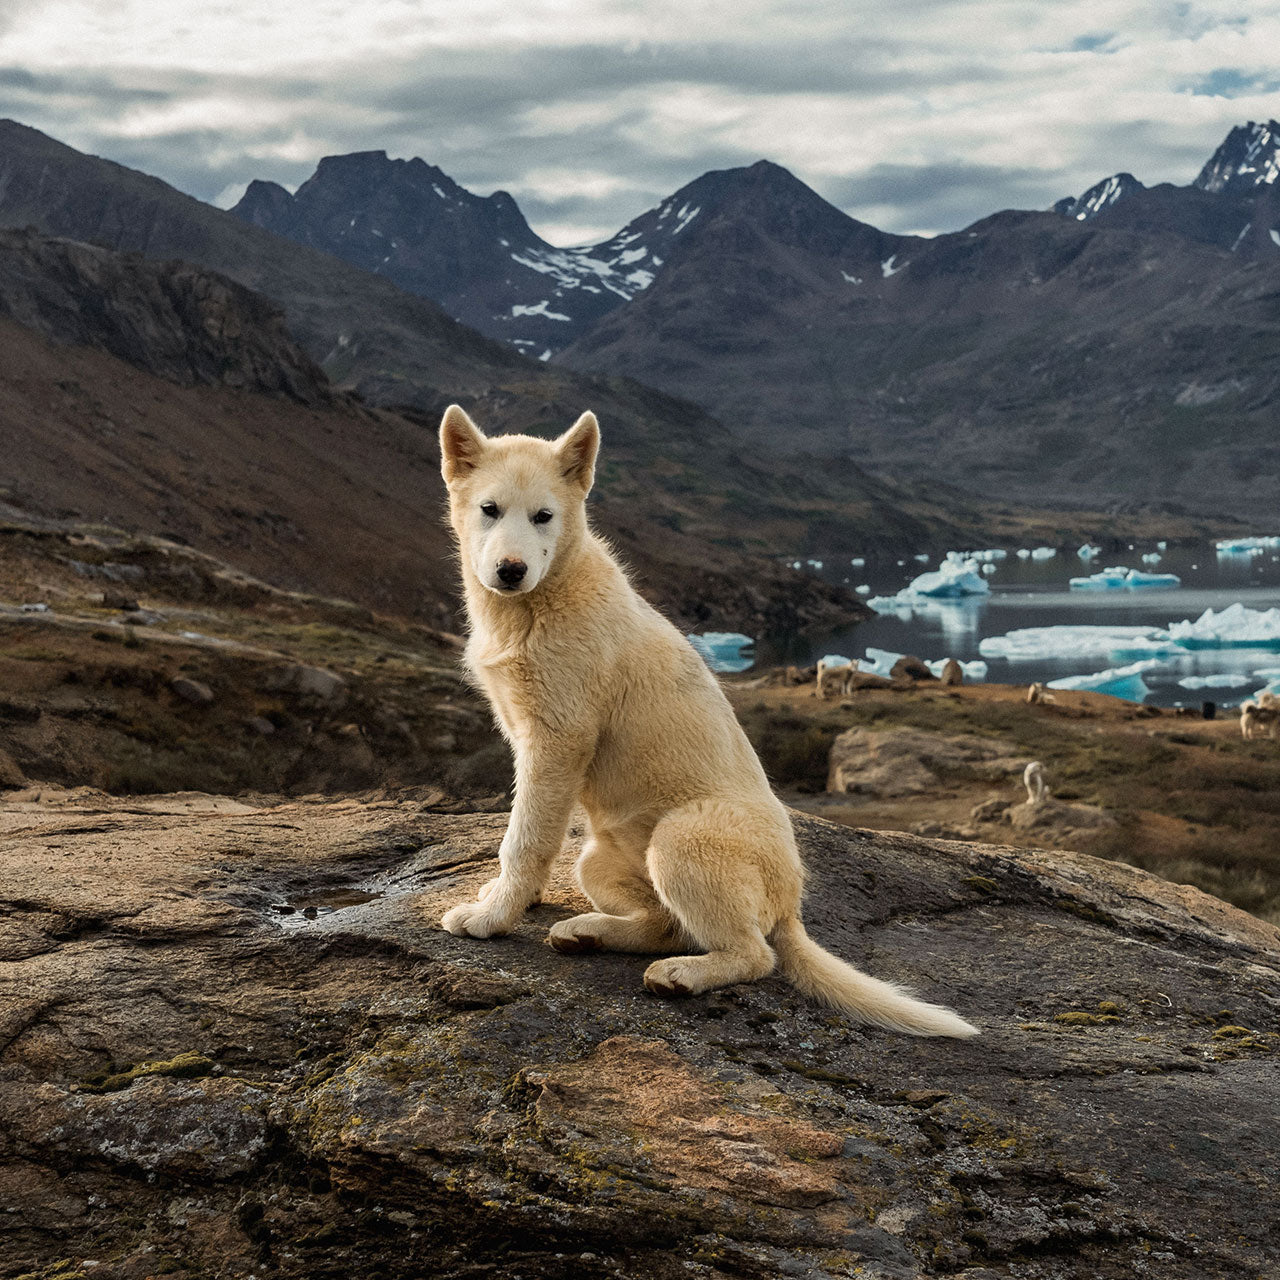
<point>1248,158</point>
<point>1101,196</point>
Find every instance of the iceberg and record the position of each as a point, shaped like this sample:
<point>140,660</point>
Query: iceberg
<point>1246,546</point>
<point>1235,627</point>
<point>1118,682</point>
<point>878,662</point>
<point>951,580</point>
<point>1044,553</point>
<point>1219,680</point>
<point>1089,552</point>
<point>722,650</point>
<point>982,557</point>
<point>1122,579</point>
<point>1035,644</point>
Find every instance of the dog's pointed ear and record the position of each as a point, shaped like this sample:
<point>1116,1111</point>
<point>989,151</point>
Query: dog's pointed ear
<point>577,450</point>
<point>462,444</point>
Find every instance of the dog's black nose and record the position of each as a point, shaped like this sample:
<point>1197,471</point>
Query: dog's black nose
<point>511,572</point>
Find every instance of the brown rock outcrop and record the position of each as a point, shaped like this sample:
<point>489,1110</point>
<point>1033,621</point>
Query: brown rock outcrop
<point>235,1043</point>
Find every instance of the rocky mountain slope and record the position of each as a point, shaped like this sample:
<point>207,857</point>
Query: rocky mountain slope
<point>677,478</point>
<point>170,319</point>
<point>237,1043</point>
<point>1027,355</point>
<point>1232,203</point>
<point>1014,356</point>
<point>479,259</point>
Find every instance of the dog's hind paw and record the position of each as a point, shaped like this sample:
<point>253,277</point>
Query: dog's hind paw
<point>563,938</point>
<point>667,978</point>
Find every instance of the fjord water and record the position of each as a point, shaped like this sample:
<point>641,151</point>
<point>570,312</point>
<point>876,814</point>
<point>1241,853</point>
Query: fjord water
<point>1034,593</point>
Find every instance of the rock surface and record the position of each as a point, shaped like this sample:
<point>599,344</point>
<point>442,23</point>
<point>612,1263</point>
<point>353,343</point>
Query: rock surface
<point>903,762</point>
<point>236,1044</point>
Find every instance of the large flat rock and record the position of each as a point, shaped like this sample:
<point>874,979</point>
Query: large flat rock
<point>235,1043</point>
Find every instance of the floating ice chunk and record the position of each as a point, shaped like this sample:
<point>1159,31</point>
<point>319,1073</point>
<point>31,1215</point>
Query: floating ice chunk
<point>988,569</point>
<point>1246,546</point>
<point>1089,552</point>
<point>1218,680</point>
<point>1269,674</point>
<point>1152,557</point>
<point>951,580</point>
<point>858,561</point>
<point>863,590</point>
<point>923,557</point>
<point>1121,579</point>
<point>814,564</point>
<point>975,670</point>
<point>1235,627</point>
<point>983,557</point>
<point>1118,682</point>
<point>1044,553</point>
<point>878,662</point>
<point>722,650</point>
<point>1034,644</point>
<point>1162,545</point>
<point>1023,553</point>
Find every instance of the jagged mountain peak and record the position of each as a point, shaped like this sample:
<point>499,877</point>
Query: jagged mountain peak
<point>1248,158</point>
<point>1100,197</point>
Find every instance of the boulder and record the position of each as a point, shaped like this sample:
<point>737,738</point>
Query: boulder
<point>952,673</point>
<point>194,691</point>
<point>911,668</point>
<point>235,1042</point>
<point>903,762</point>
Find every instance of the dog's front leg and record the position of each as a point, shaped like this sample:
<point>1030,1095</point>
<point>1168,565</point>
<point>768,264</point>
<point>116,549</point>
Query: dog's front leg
<point>547,789</point>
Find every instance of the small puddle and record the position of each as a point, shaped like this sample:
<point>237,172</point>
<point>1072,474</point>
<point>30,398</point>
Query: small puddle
<point>320,903</point>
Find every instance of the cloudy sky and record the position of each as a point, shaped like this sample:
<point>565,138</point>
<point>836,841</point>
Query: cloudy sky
<point>918,116</point>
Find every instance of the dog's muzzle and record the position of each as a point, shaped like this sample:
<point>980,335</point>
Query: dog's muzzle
<point>511,573</point>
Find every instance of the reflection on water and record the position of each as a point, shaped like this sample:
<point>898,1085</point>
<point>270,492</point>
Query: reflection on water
<point>1034,593</point>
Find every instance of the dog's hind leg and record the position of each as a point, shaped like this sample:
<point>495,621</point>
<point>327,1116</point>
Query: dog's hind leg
<point>629,916</point>
<point>708,867</point>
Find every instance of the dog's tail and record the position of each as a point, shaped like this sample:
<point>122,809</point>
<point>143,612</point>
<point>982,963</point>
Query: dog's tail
<point>825,977</point>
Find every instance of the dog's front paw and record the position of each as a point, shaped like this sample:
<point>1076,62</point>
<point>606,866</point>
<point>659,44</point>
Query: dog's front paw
<point>474,920</point>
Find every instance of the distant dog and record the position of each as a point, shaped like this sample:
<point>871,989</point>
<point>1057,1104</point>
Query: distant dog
<point>606,705</point>
<point>834,676</point>
<point>1265,713</point>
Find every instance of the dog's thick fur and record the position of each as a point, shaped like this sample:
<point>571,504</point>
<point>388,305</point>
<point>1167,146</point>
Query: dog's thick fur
<point>606,705</point>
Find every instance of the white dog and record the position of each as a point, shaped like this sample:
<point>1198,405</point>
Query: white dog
<point>1255,715</point>
<point>607,706</point>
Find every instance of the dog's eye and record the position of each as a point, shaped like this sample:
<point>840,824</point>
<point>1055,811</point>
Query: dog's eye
<point>541,517</point>
<point>490,509</point>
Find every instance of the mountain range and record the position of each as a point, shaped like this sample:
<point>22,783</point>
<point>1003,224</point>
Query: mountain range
<point>1120,346</point>
<point>117,291</point>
